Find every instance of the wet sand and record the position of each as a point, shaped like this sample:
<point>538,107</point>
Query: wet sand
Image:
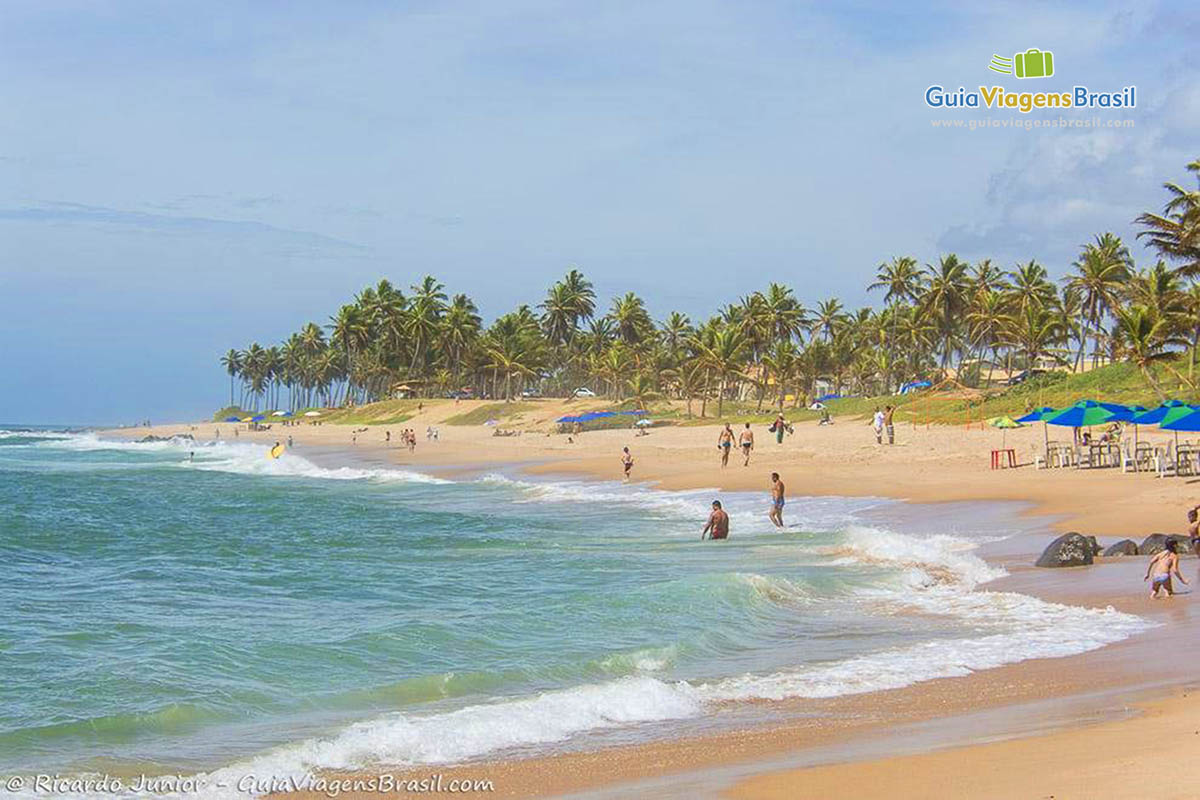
<point>931,739</point>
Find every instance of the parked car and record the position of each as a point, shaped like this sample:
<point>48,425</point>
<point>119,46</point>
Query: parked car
<point>583,391</point>
<point>1025,375</point>
<point>531,393</point>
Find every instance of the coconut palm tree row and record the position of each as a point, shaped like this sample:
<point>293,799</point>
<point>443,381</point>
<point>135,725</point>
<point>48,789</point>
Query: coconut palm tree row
<point>946,318</point>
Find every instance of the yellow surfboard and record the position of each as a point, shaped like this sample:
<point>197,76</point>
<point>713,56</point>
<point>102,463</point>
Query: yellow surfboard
<point>277,451</point>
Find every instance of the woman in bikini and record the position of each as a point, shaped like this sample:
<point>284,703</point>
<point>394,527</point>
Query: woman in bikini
<point>1162,566</point>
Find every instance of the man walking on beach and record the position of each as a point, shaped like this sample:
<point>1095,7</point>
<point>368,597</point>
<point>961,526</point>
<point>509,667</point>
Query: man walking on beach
<point>725,444</point>
<point>747,442</point>
<point>777,490</point>
<point>718,523</point>
<point>889,412</point>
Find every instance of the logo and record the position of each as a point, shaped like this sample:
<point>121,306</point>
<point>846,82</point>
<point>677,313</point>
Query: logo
<point>1033,63</point>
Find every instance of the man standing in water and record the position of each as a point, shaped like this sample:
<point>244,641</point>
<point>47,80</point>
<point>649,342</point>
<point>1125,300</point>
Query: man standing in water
<point>747,442</point>
<point>777,490</point>
<point>725,444</point>
<point>627,462</point>
<point>717,526</point>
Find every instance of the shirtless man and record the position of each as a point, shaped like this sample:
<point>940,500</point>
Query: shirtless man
<point>725,444</point>
<point>777,490</point>
<point>627,462</point>
<point>1193,518</point>
<point>747,442</point>
<point>718,523</point>
<point>1160,570</point>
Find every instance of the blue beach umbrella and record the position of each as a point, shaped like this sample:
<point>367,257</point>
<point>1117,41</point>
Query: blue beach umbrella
<point>257,418</point>
<point>1188,422</point>
<point>1038,415</point>
<point>1156,416</point>
<point>1083,414</point>
<point>232,419</point>
<point>568,419</point>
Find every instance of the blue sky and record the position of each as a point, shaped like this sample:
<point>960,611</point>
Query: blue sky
<point>159,160</point>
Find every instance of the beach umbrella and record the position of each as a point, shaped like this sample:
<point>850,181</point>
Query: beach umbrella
<point>641,423</point>
<point>1167,412</point>
<point>312,413</point>
<point>258,418</point>
<point>247,419</point>
<point>1187,422</point>
<point>280,414</point>
<point>1083,414</point>
<point>1040,415</point>
<point>232,419</point>
<point>567,419</point>
<point>1004,424</point>
<point>1164,415</point>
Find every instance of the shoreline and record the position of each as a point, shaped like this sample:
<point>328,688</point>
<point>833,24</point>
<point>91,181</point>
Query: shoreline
<point>761,761</point>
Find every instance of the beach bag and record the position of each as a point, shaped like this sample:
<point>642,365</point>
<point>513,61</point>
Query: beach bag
<point>772,428</point>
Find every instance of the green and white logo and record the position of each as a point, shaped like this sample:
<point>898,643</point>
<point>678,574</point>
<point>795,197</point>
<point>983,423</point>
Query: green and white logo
<point>1033,63</point>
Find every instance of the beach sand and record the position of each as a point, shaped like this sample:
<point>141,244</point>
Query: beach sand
<point>1093,725</point>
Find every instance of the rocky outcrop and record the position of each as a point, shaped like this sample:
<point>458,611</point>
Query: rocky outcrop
<point>1069,550</point>
<point>1155,543</point>
<point>1096,548</point>
<point>175,437</point>
<point>1125,547</point>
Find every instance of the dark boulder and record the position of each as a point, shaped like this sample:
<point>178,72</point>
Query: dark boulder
<point>1068,550</point>
<point>1154,543</point>
<point>1125,547</point>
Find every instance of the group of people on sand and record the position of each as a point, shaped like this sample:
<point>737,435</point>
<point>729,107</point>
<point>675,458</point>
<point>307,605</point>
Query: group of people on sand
<point>745,440</point>
<point>408,438</point>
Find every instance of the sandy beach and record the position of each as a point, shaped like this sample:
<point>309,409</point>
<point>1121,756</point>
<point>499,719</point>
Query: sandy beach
<point>1089,725</point>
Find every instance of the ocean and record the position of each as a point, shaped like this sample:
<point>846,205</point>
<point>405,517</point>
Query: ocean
<point>227,612</point>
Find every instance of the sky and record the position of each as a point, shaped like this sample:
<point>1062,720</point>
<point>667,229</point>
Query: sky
<point>180,178</point>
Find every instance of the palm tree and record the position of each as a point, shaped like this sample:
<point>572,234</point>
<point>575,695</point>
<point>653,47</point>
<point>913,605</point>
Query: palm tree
<point>724,356</point>
<point>642,389</point>
<point>1101,271</point>
<point>1143,337</point>
<point>1175,233</point>
<point>425,310</point>
<point>828,317</point>
<point>901,280</point>
<point>631,322</point>
<point>944,300</point>
<point>232,361</point>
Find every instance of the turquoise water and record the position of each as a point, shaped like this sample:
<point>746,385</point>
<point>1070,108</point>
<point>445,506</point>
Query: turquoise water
<point>196,615</point>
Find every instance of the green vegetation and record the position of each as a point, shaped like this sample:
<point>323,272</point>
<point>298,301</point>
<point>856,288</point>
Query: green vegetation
<point>230,411</point>
<point>385,412</point>
<point>977,323</point>
<point>498,411</point>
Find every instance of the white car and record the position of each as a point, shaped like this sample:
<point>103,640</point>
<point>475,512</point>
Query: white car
<point>583,391</point>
